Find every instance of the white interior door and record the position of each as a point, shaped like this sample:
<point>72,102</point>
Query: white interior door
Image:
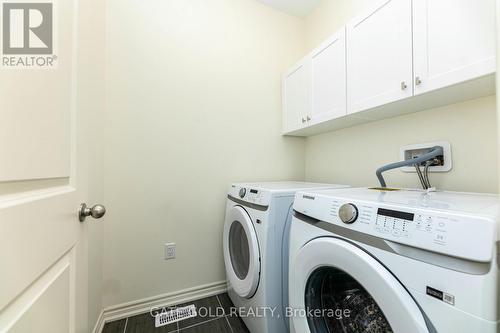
<point>379,55</point>
<point>42,182</point>
<point>454,41</point>
<point>328,63</point>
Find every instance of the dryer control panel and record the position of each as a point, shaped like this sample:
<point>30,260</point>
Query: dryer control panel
<point>428,229</point>
<point>250,195</point>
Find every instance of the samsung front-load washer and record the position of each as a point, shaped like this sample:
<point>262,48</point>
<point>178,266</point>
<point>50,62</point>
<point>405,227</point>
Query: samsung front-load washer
<point>404,261</point>
<point>255,244</point>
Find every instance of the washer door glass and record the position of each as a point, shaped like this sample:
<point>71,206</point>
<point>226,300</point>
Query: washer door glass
<point>345,290</point>
<point>330,289</point>
<point>241,252</point>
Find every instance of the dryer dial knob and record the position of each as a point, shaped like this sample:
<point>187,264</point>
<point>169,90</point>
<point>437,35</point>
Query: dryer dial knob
<point>243,191</point>
<point>348,213</point>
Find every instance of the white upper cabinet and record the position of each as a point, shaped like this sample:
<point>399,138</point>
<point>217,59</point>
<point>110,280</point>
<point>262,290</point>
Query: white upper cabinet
<point>400,56</point>
<point>454,41</point>
<point>328,77</point>
<point>296,96</point>
<point>379,55</point>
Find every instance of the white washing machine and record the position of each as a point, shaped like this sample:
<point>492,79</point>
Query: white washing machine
<point>365,260</point>
<point>255,243</point>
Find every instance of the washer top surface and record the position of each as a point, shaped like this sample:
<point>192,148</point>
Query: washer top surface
<point>287,186</point>
<point>475,203</point>
<point>261,193</point>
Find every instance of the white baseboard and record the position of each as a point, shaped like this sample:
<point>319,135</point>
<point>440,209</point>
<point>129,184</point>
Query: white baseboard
<point>133,308</point>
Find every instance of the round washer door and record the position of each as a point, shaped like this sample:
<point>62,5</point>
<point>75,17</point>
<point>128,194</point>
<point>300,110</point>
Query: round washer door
<point>241,252</point>
<point>331,276</point>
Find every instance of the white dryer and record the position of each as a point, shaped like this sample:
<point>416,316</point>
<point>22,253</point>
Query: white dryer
<point>255,244</point>
<point>408,261</point>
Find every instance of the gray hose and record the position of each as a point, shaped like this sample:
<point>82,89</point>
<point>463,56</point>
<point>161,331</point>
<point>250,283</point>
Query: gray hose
<point>420,176</point>
<point>426,172</point>
<point>435,151</point>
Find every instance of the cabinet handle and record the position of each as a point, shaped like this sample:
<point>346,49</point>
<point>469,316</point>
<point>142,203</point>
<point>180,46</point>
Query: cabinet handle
<point>308,118</point>
<point>303,120</point>
<point>403,85</point>
<point>418,81</point>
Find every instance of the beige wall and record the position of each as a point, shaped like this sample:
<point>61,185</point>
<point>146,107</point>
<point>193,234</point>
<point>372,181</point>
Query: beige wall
<point>352,155</point>
<point>193,104</point>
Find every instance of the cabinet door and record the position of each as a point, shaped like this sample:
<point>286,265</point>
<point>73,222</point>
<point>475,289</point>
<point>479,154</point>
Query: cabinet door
<point>296,96</point>
<point>328,70</point>
<point>379,56</point>
<point>454,41</point>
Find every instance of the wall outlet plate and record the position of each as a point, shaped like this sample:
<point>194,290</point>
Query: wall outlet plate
<point>409,151</point>
<point>169,251</point>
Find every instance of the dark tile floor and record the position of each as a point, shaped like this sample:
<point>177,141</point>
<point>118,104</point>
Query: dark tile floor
<point>213,316</point>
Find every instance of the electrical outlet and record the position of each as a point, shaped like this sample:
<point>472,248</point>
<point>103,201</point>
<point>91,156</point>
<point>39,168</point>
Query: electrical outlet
<point>169,251</point>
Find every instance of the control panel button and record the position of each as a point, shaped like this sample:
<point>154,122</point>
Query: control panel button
<point>243,191</point>
<point>348,213</point>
